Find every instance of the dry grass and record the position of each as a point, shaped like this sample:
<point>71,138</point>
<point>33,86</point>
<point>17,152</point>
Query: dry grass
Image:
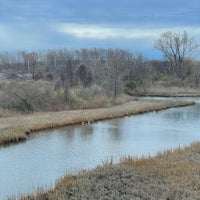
<point>14,129</point>
<point>97,102</point>
<point>173,174</point>
<point>12,136</point>
<point>121,99</point>
<point>7,113</point>
<point>159,90</point>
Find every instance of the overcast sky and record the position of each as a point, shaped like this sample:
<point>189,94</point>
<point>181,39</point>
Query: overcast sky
<point>74,24</point>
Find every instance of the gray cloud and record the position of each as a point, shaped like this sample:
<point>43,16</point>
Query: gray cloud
<point>104,32</point>
<point>28,24</point>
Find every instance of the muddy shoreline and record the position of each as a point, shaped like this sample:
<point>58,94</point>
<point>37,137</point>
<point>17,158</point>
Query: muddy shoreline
<point>16,129</point>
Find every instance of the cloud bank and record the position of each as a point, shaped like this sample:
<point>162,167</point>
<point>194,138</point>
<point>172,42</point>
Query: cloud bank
<point>104,32</point>
<point>129,24</point>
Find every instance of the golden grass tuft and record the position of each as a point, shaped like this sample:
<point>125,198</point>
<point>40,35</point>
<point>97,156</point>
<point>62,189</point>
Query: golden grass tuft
<point>12,136</point>
<point>175,164</point>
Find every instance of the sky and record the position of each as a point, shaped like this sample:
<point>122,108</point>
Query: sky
<point>74,24</point>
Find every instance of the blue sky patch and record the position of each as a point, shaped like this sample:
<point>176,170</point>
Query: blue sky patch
<point>128,24</point>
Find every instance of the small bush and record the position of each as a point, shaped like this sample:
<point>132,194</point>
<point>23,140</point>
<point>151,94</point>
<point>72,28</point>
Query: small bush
<point>121,99</point>
<point>170,80</point>
<point>88,97</point>
<point>130,86</point>
<point>29,96</point>
<point>98,102</point>
<point>77,102</point>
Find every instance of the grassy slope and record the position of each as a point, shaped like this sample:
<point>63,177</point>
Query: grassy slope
<point>170,175</point>
<point>16,128</point>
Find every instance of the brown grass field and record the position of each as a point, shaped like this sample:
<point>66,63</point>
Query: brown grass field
<point>16,128</point>
<point>172,91</point>
<point>170,175</point>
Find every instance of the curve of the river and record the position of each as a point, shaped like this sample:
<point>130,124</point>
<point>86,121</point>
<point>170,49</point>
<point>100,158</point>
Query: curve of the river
<point>48,155</point>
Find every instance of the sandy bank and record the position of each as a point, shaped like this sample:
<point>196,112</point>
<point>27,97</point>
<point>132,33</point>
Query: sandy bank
<point>17,128</point>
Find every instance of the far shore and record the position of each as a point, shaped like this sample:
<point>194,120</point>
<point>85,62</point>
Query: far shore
<point>169,91</point>
<point>17,128</point>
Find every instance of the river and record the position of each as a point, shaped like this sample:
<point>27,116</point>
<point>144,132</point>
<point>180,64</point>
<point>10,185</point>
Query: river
<point>50,154</point>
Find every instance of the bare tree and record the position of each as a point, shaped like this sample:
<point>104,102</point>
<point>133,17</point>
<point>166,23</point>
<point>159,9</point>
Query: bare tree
<point>67,71</point>
<point>116,68</point>
<point>85,75</point>
<point>176,47</point>
<point>25,59</point>
<point>5,61</point>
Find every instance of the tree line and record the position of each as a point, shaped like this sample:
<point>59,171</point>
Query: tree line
<point>108,67</point>
<point>111,71</point>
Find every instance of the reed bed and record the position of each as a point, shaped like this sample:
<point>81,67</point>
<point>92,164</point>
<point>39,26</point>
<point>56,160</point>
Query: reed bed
<point>172,91</point>
<point>17,128</point>
<point>7,113</point>
<point>172,174</point>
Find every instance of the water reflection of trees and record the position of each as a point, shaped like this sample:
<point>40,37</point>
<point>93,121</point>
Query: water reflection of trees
<point>69,132</point>
<point>190,113</point>
<point>86,131</point>
<point>114,129</point>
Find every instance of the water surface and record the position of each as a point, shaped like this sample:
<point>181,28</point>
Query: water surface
<point>48,155</point>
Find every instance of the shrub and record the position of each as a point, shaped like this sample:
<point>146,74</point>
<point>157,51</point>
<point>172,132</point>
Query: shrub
<point>130,86</point>
<point>29,96</point>
<point>99,101</point>
<point>88,97</point>
<point>170,80</point>
<point>77,102</point>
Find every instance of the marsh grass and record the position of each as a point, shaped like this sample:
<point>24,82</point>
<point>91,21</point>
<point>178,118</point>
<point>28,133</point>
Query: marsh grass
<point>97,102</point>
<point>172,174</point>
<point>17,128</point>
<point>167,91</point>
<point>13,136</point>
<point>179,165</point>
<point>7,113</point>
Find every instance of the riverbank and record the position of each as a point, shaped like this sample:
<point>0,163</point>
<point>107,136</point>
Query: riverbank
<point>171,91</point>
<point>173,174</point>
<point>17,128</point>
